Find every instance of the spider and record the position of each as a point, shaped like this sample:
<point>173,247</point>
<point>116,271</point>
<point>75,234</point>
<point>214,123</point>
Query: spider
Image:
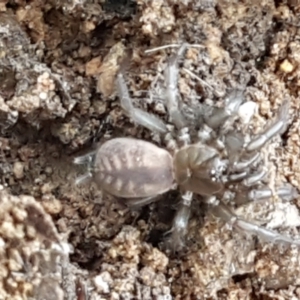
<point>207,157</point>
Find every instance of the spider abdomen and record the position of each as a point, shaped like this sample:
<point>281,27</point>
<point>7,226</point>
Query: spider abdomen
<point>131,168</point>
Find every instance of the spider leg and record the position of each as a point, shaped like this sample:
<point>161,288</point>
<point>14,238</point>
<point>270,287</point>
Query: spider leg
<point>84,159</point>
<point>81,160</point>
<point>139,202</point>
<point>254,178</point>
<point>279,126</point>
<point>286,192</point>
<point>180,222</point>
<point>222,211</point>
<point>172,94</point>
<point>83,178</point>
<point>205,134</point>
<point>245,178</point>
<point>245,196</point>
<point>139,116</point>
<point>217,116</point>
<point>234,177</point>
<point>244,164</point>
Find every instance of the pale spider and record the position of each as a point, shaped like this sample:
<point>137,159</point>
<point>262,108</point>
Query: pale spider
<point>215,161</point>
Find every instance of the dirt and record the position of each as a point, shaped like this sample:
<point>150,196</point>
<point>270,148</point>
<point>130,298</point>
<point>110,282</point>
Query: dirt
<point>58,61</point>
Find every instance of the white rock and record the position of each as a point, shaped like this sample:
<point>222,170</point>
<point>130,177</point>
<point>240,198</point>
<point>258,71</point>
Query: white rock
<point>246,111</point>
<point>286,215</point>
<point>102,282</point>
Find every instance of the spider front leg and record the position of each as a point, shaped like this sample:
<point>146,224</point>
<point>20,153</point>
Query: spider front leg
<point>278,127</point>
<point>172,94</point>
<point>222,211</point>
<point>137,115</point>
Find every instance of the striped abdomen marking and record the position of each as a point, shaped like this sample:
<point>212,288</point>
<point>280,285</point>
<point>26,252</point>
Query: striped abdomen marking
<point>131,168</point>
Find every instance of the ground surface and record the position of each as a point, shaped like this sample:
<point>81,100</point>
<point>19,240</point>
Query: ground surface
<point>58,60</point>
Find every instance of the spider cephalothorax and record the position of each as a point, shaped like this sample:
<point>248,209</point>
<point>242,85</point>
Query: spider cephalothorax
<point>211,161</point>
